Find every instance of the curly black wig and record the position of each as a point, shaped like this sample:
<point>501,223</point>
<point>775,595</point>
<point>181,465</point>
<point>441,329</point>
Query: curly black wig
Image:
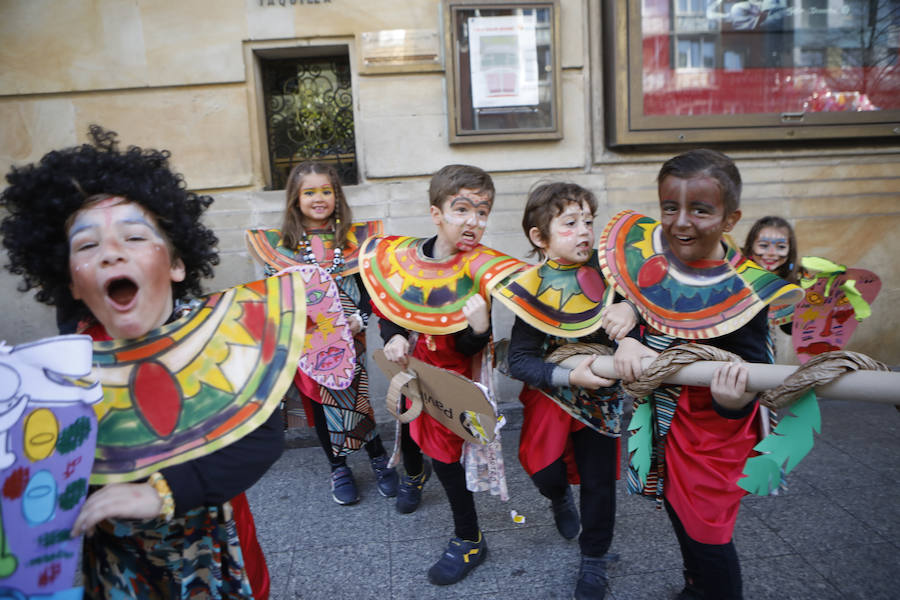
<point>42,196</point>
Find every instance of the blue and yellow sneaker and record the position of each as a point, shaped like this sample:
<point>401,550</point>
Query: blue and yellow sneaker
<point>458,560</point>
<point>409,494</point>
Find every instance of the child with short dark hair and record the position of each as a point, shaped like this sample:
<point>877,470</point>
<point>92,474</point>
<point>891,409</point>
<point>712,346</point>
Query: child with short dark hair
<point>318,229</point>
<point>572,418</point>
<point>446,280</point>
<point>117,236</point>
<point>690,283</point>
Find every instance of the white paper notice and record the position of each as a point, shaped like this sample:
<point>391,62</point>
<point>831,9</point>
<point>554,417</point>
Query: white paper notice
<point>504,69</point>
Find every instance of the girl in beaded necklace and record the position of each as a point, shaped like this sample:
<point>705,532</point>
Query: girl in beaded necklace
<point>318,229</point>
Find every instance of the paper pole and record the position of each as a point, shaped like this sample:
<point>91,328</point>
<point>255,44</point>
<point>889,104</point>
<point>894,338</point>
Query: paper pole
<point>872,386</point>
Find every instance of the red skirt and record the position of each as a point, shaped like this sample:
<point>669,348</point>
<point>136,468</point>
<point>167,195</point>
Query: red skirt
<point>705,456</point>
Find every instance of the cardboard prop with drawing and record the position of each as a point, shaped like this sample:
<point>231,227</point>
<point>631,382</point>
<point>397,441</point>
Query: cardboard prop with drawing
<point>47,437</point>
<point>199,383</point>
<point>836,300</point>
<point>454,401</point>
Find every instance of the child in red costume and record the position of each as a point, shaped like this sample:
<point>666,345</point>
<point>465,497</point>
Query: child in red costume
<point>572,418</point>
<point>700,454</point>
<point>117,238</point>
<point>461,199</point>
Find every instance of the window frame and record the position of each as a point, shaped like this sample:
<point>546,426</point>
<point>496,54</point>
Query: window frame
<point>456,85</point>
<point>627,125</point>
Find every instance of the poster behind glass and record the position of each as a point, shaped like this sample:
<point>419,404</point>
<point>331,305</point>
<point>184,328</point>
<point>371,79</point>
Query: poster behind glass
<point>504,70</point>
<point>722,57</point>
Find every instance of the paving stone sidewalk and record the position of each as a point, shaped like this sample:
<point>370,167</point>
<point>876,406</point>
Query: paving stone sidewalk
<point>834,535</point>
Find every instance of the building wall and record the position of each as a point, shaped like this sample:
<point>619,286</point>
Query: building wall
<point>184,76</point>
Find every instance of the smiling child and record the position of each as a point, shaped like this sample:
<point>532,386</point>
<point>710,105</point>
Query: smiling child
<point>690,283</point>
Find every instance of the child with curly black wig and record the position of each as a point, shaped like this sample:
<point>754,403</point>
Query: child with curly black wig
<point>115,238</point>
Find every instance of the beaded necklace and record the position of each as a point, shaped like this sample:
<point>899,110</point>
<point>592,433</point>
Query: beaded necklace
<point>309,257</point>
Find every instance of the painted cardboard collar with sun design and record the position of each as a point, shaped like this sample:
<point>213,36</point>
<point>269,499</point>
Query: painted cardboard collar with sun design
<point>557,299</point>
<point>265,245</point>
<point>424,294</point>
<point>700,300</point>
<point>200,383</point>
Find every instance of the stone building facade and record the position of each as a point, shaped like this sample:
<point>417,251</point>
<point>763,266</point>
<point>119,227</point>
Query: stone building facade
<point>186,76</point>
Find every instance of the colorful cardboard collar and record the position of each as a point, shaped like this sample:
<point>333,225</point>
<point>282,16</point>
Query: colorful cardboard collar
<point>690,301</point>
<point>561,300</point>
<point>424,294</point>
<point>266,247</point>
<point>199,383</point>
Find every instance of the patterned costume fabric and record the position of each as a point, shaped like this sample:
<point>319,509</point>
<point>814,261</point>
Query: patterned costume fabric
<point>196,556</point>
<point>348,413</point>
<point>599,409</point>
<point>701,300</point>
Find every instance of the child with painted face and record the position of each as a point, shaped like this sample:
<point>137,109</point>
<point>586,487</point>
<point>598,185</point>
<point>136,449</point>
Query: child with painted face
<point>572,418</point>
<point>702,435</point>
<point>318,229</point>
<point>771,243</point>
<point>442,269</point>
<point>117,236</point>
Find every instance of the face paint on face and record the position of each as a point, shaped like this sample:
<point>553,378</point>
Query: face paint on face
<point>316,200</point>
<point>121,267</point>
<point>461,220</point>
<point>693,217</point>
<point>571,235</point>
<point>771,248</point>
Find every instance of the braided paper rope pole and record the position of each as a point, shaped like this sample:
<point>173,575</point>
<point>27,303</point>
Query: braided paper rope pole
<point>839,374</point>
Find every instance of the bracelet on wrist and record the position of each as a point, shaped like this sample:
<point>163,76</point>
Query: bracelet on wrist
<point>167,511</point>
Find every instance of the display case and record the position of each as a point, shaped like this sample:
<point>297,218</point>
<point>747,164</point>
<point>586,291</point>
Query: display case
<point>695,71</point>
<point>502,70</point>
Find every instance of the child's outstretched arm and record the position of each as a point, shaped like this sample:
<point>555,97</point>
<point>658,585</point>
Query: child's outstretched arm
<point>618,319</point>
<point>527,364</point>
<point>628,358</point>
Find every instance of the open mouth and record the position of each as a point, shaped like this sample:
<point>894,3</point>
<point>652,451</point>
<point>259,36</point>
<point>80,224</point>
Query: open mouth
<point>121,291</point>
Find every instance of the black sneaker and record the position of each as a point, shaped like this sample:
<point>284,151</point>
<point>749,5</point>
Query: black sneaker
<point>343,487</point>
<point>458,560</point>
<point>385,477</point>
<point>409,494</point>
<point>568,523</point>
<point>593,580</point>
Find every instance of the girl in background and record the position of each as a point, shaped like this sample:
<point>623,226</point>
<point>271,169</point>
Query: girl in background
<point>317,229</point>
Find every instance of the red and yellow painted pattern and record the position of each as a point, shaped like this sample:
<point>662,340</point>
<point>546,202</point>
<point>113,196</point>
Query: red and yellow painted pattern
<point>199,383</point>
<point>427,295</point>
